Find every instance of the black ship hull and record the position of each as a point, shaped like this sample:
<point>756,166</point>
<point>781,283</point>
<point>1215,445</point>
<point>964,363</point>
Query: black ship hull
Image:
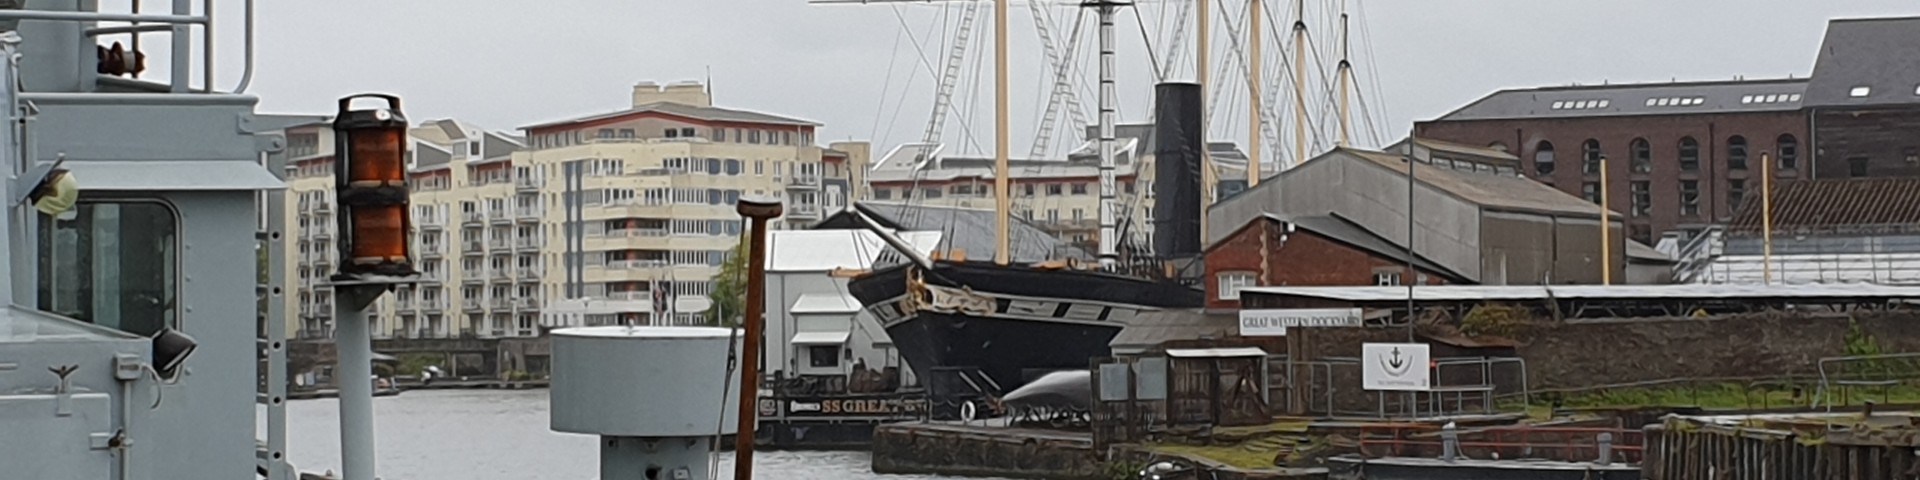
<point>973,329</point>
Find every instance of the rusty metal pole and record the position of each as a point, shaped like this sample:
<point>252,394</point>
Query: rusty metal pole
<point>759,210</point>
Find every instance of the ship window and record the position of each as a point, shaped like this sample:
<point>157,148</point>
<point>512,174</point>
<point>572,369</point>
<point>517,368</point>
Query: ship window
<point>1232,282</point>
<point>823,356</point>
<point>114,264</point>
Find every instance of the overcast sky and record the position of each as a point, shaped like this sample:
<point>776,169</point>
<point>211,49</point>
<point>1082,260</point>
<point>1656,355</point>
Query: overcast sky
<point>502,65</point>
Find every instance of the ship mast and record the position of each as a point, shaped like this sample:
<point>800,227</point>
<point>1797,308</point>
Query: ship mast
<point>1253,93</point>
<point>1346,81</point>
<point>1109,236</point>
<point>1299,82</point>
<point>1002,204</point>
<point>1203,44</point>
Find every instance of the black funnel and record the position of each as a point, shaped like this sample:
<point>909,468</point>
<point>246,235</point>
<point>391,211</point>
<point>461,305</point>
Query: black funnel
<point>1178,145</point>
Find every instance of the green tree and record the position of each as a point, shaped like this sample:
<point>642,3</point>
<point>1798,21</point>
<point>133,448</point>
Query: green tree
<point>730,288</point>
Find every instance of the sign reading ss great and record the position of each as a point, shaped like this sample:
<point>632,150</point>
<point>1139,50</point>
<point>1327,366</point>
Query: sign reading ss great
<point>852,407</point>
<point>1274,322</point>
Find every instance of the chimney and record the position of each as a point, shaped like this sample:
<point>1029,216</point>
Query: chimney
<point>683,92</point>
<point>1176,187</point>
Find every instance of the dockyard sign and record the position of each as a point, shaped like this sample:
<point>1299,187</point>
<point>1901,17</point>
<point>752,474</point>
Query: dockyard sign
<point>1274,322</point>
<point>1396,366</point>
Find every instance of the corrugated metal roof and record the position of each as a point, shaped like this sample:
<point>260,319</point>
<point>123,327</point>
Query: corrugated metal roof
<point>188,175</point>
<point>1500,192</point>
<point>973,230</point>
<point>1151,328</point>
<point>824,250</point>
<point>1535,292</point>
<point>1345,231</point>
<point>820,338</point>
<point>713,114</point>
<point>1234,352</point>
<point>1825,204</point>
<point>825,303</point>
<point>1876,53</point>
<point>1671,98</point>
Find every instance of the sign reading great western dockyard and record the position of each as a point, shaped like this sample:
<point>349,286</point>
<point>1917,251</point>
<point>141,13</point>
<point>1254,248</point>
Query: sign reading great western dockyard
<point>1274,322</point>
<point>854,407</point>
<point>1396,366</point>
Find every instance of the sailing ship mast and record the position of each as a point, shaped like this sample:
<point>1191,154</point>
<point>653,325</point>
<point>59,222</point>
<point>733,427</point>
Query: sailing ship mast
<point>1253,93</point>
<point>1346,81</point>
<point>1299,83</point>
<point>1002,201</point>
<point>1109,236</point>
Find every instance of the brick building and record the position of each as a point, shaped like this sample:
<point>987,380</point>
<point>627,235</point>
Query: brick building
<point>1321,250</point>
<point>1864,99</point>
<point>1680,156</point>
<point>1482,226</point>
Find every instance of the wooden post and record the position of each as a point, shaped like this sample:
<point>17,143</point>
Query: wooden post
<point>758,210</point>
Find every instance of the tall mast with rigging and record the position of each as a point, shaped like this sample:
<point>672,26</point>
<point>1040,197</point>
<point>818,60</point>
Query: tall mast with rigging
<point>1002,201</point>
<point>1346,81</point>
<point>1109,236</point>
<point>1299,82</point>
<point>1253,93</point>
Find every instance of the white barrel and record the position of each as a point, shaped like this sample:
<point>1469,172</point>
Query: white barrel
<point>643,381</point>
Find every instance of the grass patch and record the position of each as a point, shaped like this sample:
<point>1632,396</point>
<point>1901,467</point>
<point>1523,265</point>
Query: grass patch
<point>1723,396</point>
<point>1233,455</point>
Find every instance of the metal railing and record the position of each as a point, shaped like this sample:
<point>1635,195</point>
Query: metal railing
<point>1567,444</point>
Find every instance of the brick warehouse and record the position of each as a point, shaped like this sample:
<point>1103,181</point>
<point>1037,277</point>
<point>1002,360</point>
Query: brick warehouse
<point>1683,155</point>
<point>1322,250</point>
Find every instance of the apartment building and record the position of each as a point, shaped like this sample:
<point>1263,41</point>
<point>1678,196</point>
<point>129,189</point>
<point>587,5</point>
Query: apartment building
<point>1061,196</point>
<point>641,200</point>
<point>476,239</point>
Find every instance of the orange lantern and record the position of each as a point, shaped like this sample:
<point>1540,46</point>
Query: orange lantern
<point>370,181</point>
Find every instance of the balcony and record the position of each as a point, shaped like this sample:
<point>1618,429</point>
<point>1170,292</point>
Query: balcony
<point>803,181</point>
<point>499,244</point>
<point>635,296</point>
<point>429,224</point>
<point>528,184</point>
<point>319,207</point>
<point>473,247</point>
<point>527,215</point>
<point>474,277</point>
<point>502,274</point>
<point>500,216</point>
<point>432,250</point>
<point>527,303</point>
<point>433,306</point>
<point>528,244</point>
<point>470,304</point>
<point>500,303</point>
<point>804,210</point>
<point>472,218</point>
<point>432,278</point>
<point>403,303</point>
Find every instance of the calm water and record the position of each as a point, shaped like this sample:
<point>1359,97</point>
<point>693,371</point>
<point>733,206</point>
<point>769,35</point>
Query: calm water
<point>502,434</point>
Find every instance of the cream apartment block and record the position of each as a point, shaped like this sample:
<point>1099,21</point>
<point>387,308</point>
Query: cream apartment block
<point>640,201</point>
<point>1061,196</point>
<point>477,230</point>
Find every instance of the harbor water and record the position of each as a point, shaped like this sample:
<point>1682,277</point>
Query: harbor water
<point>502,434</point>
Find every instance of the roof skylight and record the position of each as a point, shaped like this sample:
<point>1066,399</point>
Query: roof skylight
<point>1860,91</point>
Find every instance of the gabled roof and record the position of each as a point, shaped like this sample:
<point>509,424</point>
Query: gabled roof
<point>1830,204</point>
<point>1152,328</point>
<point>1497,192</point>
<point>1669,98</point>
<point>1877,53</point>
<point>1339,229</point>
<point>711,114</point>
<point>968,229</point>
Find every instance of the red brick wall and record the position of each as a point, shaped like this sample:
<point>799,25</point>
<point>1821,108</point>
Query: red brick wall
<point>1663,134</point>
<point>1305,259</point>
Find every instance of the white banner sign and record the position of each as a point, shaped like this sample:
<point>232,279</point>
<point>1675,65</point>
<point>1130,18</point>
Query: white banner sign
<point>1396,366</point>
<point>1274,323</point>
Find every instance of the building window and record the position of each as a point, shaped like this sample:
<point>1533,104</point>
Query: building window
<point>687,132</point>
<point>1689,154</point>
<point>1590,156</point>
<point>1689,198</point>
<point>1386,278</point>
<point>1543,158</point>
<point>1737,153</point>
<point>1027,189</point>
<point>823,356</point>
<point>1642,156</point>
<point>719,135</point>
<point>1232,282</point>
<point>1080,189</point>
<point>112,264</point>
<point>1789,151</point>
<point>1591,190</point>
<point>1736,191</point>
<point>1640,233</point>
<point>1857,167</point>
<point>1642,198</point>
<point>672,133</point>
<point>1053,189</point>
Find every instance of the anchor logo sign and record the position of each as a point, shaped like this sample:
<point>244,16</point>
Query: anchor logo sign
<point>1396,365</point>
